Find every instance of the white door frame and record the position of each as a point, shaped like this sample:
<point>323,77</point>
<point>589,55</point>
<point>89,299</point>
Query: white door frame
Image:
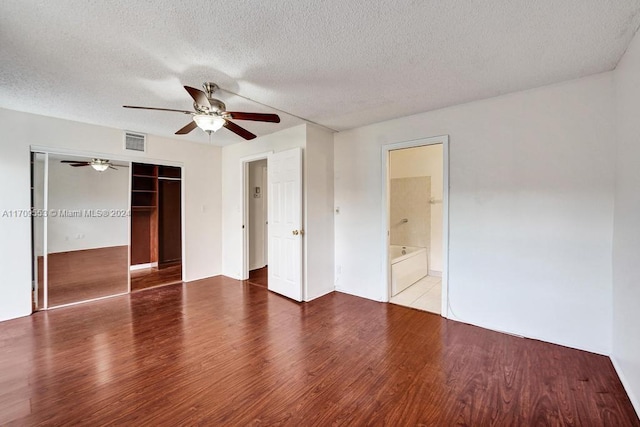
<point>244,173</point>
<point>386,226</point>
<point>265,222</point>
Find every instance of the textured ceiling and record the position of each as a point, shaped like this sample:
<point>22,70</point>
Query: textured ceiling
<point>339,63</point>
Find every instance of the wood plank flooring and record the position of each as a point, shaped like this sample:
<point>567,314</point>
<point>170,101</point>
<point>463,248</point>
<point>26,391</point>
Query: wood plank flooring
<point>222,352</point>
<point>259,277</point>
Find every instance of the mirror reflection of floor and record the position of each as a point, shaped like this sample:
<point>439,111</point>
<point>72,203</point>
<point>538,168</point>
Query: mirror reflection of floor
<point>83,275</point>
<point>152,277</point>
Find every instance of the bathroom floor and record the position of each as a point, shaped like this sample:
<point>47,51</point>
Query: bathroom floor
<point>425,295</point>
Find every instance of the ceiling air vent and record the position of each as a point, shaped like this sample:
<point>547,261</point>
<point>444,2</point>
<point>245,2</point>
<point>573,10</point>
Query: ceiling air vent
<point>135,142</point>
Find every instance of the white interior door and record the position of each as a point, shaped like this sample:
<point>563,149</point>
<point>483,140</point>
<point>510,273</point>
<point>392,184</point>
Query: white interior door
<point>285,223</point>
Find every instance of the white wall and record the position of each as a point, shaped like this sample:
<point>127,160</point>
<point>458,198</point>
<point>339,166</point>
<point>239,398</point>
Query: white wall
<point>424,161</point>
<point>319,224</point>
<point>20,130</point>
<point>626,240</point>
<point>257,215</point>
<point>531,209</point>
<point>83,188</point>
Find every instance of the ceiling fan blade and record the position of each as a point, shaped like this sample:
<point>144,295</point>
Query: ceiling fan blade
<point>73,161</point>
<point>199,96</point>
<point>77,165</point>
<point>256,117</point>
<point>238,130</point>
<point>188,128</point>
<point>159,109</point>
<point>113,167</point>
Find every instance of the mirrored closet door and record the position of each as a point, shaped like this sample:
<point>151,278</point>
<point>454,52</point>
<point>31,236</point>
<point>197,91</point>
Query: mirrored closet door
<point>82,251</point>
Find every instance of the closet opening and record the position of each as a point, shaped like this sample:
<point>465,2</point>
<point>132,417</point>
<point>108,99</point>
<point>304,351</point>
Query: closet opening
<point>102,227</point>
<point>156,225</point>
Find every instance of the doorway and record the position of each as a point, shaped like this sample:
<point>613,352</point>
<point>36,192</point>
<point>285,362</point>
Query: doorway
<point>416,223</point>
<point>257,224</point>
<point>284,222</point>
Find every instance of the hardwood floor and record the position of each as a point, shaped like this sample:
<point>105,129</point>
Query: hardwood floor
<point>152,277</point>
<point>220,352</point>
<point>259,277</point>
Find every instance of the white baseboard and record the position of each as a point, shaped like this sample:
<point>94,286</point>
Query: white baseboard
<point>627,387</point>
<point>143,266</point>
<point>595,350</point>
<point>359,295</point>
<point>195,279</point>
<point>321,294</point>
<point>435,273</point>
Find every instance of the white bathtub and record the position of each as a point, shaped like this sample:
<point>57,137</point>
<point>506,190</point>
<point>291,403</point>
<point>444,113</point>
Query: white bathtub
<point>407,268</point>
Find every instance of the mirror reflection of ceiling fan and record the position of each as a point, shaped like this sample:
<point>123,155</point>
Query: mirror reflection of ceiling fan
<point>100,165</point>
<point>211,114</point>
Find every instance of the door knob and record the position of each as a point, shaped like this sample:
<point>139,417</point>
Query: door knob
<point>295,232</point>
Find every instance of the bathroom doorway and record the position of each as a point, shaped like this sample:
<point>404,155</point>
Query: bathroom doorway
<point>416,226</point>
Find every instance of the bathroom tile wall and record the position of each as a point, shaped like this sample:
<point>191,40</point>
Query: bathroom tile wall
<point>409,198</point>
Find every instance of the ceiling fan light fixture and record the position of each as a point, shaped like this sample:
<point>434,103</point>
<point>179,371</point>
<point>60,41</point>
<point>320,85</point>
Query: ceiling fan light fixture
<point>210,114</point>
<point>208,122</point>
<point>99,164</point>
